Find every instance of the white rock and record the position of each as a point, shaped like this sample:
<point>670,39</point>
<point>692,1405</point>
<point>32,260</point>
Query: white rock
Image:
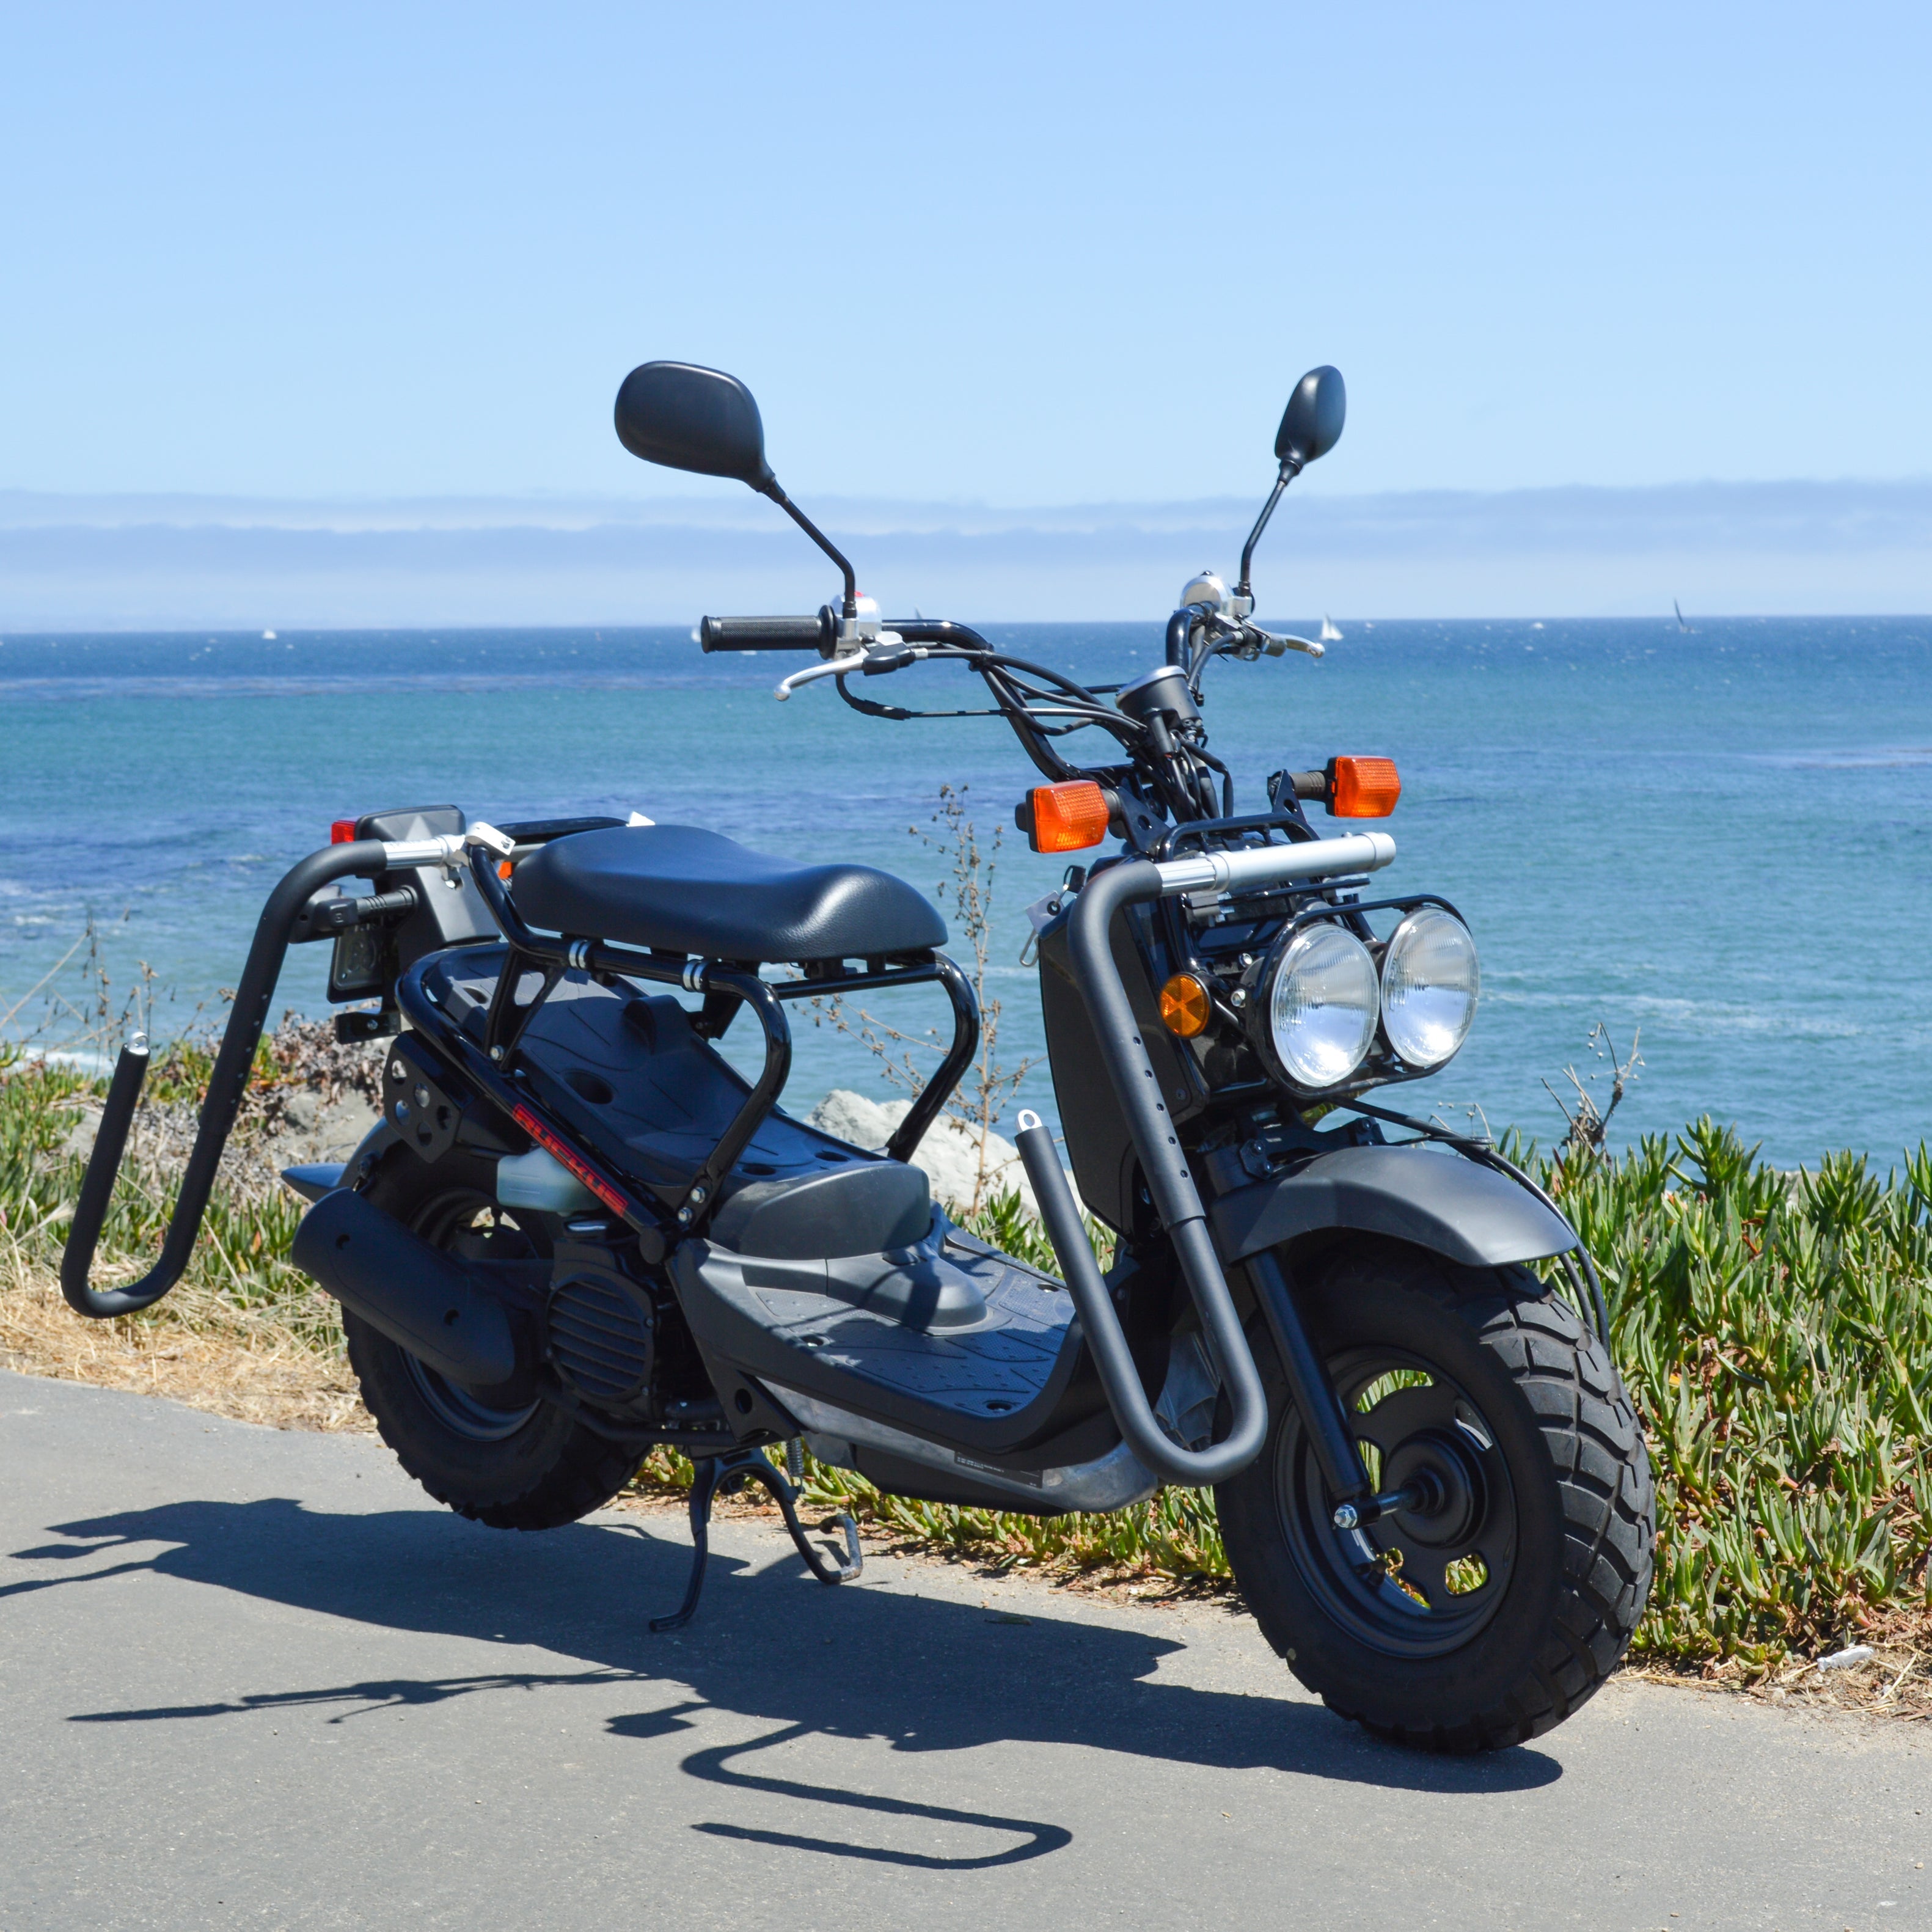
<point>950,1154</point>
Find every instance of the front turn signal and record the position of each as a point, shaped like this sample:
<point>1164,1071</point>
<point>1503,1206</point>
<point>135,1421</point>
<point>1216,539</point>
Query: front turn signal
<point>1065,818</point>
<point>1184,1006</point>
<point>1363,787</point>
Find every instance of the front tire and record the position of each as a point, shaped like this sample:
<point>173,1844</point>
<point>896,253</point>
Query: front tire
<point>1487,1614</point>
<point>528,1468</point>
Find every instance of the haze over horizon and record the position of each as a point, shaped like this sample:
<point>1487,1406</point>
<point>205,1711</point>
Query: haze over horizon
<point>163,563</point>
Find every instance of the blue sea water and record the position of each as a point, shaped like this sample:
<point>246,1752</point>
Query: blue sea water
<point>1723,838</point>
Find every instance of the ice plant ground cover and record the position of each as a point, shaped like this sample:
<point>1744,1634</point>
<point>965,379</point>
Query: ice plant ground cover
<point>1775,1330</point>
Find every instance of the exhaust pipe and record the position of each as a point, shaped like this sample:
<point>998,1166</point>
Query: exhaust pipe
<point>442,1310</point>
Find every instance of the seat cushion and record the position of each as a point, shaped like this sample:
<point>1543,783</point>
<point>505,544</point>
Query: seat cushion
<point>680,888</point>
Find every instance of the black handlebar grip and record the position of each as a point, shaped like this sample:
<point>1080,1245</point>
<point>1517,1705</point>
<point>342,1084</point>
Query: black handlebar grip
<point>769,633</point>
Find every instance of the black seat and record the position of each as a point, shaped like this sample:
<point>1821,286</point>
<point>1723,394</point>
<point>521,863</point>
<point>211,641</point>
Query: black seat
<point>680,888</point>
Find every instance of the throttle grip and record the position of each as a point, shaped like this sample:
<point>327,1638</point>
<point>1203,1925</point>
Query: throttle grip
<point>769,633</point>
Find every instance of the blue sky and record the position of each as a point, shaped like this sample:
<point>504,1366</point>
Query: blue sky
<point>1022,254</point>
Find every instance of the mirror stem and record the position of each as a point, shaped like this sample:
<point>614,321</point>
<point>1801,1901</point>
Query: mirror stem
<point>824,542</point>
<point>1289,471</point>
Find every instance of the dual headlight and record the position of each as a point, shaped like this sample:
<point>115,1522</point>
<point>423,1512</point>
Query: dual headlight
<point>1323,997</point>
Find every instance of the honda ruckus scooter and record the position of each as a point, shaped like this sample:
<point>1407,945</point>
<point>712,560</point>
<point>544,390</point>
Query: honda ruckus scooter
<point>577,1232</point>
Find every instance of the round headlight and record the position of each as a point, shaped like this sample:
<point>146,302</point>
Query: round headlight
<point>1430,984</point>
<point>1322,1004</point>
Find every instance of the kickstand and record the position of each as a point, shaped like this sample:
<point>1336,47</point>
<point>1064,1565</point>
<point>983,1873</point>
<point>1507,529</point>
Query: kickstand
<point>716,1476</point>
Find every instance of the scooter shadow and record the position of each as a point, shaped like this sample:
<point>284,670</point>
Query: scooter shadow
<point>919,1673</point>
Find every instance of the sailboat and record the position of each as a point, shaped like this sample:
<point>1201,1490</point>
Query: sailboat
<point>1329,635</point>
<point>1681,625</point>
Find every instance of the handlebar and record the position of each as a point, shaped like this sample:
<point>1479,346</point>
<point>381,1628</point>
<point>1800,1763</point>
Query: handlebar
<point>816,633</point>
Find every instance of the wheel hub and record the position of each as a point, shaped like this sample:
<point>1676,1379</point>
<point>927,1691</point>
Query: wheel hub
<point>1421,1574</point>
<point>1446,1485</point>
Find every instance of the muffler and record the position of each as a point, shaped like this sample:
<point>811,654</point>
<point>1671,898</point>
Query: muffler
<point>444,1311</point>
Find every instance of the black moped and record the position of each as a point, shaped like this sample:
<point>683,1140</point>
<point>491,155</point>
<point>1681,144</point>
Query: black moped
<point>577,1232</point>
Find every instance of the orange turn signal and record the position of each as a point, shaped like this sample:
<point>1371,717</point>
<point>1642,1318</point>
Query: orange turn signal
<point>1065,818</point>
<point>1363,787</point>
<point>503,868</point>
<point>1184,1006</point>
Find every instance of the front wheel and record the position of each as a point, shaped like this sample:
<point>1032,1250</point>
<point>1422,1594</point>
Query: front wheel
<point>1488,1611</point>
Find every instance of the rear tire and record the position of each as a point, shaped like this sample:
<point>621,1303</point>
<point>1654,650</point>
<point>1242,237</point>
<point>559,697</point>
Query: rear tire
<point>525,1469</point>
<point>1489,1617</point>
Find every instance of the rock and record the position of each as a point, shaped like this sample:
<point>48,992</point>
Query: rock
<point>330,1132</point>
<point>78,1145</point>
<point>950,1154</point>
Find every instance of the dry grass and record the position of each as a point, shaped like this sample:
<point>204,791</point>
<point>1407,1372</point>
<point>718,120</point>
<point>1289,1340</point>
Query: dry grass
<point>196,1347</point>
<point>244,1335</point>
<point>1895,1682</point>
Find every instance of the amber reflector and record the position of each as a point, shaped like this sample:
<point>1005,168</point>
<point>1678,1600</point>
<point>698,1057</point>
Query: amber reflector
<point>1183,1006</point>
<point>502,868</point>
<point>342,832</point>
<point>1069,818</point>
<point>1363,787</point>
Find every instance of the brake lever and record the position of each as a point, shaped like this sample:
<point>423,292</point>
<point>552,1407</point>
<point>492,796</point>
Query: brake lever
<point>890,653</point>
<point>1275,645</point>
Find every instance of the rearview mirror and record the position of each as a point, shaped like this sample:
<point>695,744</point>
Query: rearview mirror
<point>687,418</point>
<point>1311,425</point>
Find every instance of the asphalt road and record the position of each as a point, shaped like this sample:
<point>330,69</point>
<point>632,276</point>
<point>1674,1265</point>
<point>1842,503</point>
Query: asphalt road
<point>254,1679</point>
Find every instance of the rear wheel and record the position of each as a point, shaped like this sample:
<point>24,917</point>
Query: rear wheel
<point>1490,1609</point>
<point>526,1467</point>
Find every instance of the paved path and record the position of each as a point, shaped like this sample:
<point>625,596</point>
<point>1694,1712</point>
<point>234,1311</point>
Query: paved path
<point>254,1679</point>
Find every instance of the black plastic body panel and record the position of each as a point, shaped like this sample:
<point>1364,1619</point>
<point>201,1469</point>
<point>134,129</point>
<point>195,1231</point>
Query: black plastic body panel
<point>1098,1141</point>
<point>1468,1213</point>
<point>365,961</point>
<point>875,1205</point>
<point>922,1483</point>
<point>1017,1376</point>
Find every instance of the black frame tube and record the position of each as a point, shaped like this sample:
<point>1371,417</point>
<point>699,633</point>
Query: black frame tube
<point>233,1064</point>
<point>765,997</point>
<point>1176,1199</point>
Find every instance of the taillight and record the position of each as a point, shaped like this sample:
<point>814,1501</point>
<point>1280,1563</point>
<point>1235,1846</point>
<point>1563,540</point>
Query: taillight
<point>342,832</point>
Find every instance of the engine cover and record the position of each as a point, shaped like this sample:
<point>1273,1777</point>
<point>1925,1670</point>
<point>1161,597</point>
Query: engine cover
<point>602,1329</point>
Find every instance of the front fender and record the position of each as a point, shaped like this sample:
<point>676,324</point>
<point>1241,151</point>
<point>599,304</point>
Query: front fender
<point>1469,1213</point>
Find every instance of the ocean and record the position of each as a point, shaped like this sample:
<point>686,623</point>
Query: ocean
<point>1722,839</point>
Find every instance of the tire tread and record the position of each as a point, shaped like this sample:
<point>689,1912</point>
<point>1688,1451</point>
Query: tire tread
<point>1619,1532</point>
